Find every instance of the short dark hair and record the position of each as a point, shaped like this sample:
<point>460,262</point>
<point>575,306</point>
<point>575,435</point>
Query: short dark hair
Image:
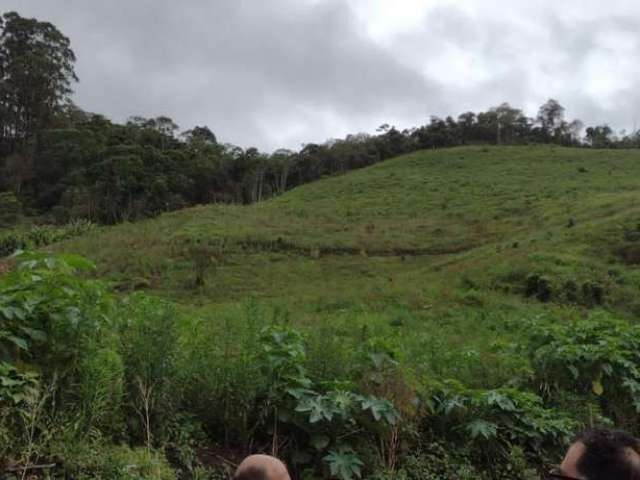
<point>606,455</point>
<point>251,473</point>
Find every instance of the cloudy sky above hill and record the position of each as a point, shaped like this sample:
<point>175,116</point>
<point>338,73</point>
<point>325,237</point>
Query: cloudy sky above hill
<point>279,73</point>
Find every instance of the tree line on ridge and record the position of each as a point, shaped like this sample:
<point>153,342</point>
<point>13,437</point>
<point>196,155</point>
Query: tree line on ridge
<point>61,161</point>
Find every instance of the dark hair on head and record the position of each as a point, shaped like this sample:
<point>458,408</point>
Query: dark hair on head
<point>608,455</point>
<point>251,473</point>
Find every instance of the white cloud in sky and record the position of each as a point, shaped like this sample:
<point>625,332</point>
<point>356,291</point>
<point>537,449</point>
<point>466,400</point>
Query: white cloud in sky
<point>279,73</point>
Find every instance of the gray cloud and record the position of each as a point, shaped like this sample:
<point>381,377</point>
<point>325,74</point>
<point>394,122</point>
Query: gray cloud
<point>276,73</point>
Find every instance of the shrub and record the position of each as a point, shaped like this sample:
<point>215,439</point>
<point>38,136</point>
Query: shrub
<point>119,463</point>
<point>10,209</point>
<point>632,234</point>
<point>596,359</point>
<point>539,287</point>
<point>54,324</point>
<point>102,391</point>
<point>218,373</point>
<point>629,252</point>
<point>489,424</point>
<point>50,316</point>
<point>148,344</point>
<point>16,389</point>
<point>10,244</point>
<point>204,256</point>
<point>592,294</point>
<point>435,461</point>
<point>321,418</point>
<point>41,236</point>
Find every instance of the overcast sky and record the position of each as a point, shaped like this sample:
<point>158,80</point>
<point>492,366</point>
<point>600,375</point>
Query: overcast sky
<point>279,73</point>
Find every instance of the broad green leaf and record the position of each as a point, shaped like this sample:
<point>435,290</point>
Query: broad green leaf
<point>501,400</point>
<point>10,382</point>
<point>597,387</point>
<point>37,335</point>
<point>574,371</point>
<point>17,397</point>
<point>19,342</point>
<point>344,464</point>
<point>482,428</point>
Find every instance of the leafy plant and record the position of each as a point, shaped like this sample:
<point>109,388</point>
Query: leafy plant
<point>597,358</point>
<point>492,422</point>
<point>344,464</point>
<point>323,419</point>
<point>49,316</point>
<point>148,343</point>
<point>121,463</point>
<point>42,235</point>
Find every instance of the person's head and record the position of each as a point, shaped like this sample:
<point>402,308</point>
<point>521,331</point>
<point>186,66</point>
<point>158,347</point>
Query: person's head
<point>602,454</point>
<point>261,467</point>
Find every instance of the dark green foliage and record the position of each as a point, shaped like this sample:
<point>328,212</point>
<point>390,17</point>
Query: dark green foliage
<point>596,359</point>
<point>99,370</point>
<point>75,364</point>
<point>492,422</point>
<point>539,287</point>
<point>10,244</point>
<point>15,386</point>
<point>50,318</point>
<point>321,419</point>
<point>436,461</point>
<point>403,380</point>
<point>344,464</point>
<point>53,329</point>
<point>41,236</point>
<point>219,378</point>
<point>148,346</point>
<point>590,294</point>
<point>570,291</point>
<point>36,62</point>
<point>629,252</point>
<point>119,463</point>
<point>10,209</point>
<point>632,234</point>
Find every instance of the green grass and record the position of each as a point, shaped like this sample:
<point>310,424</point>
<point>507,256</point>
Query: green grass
<point>431,250</point>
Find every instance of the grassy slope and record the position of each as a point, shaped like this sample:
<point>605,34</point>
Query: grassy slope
<point>430,250</point>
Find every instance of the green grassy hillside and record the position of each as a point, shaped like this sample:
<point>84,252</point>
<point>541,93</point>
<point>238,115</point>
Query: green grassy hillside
<point>439,220</point>
<point>487,296</point>
<point>437,248</point>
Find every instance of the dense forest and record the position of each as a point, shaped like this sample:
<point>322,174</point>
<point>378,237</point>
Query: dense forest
<point>66,163</point>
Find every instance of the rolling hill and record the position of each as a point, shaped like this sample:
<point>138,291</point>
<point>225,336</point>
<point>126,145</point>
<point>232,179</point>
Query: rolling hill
<point>437,248</point>
<point>477,296</point>
<point>436,218</point>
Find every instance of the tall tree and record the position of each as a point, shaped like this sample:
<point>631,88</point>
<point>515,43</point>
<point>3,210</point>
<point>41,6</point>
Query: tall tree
<point>36,75</point>
<point>550,117</point>
<point>599,136</point>
<point>200,134</point>
<point>507,120</point>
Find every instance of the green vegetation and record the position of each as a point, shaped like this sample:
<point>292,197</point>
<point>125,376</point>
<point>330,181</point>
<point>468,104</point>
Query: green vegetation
<point>447,314</point>
<point>37,236</point>
<point>468,226</point>
<point>61,162</point>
